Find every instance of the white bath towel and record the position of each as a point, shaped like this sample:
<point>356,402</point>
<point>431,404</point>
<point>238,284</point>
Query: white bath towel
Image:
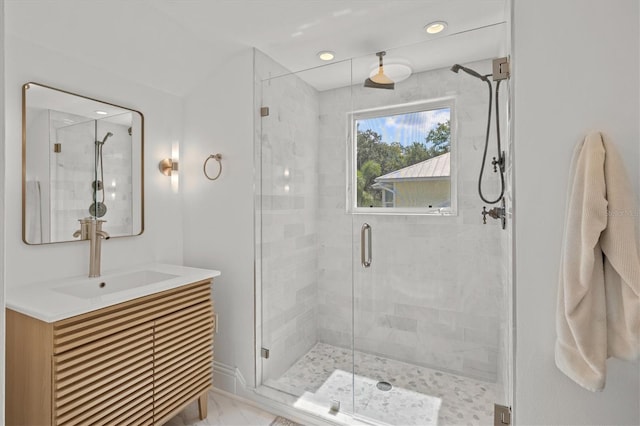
<point>33,212</point>
<point>598,313</point>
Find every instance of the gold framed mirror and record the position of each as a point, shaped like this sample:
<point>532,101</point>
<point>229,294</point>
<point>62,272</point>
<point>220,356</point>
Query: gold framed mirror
<point>81,157</point>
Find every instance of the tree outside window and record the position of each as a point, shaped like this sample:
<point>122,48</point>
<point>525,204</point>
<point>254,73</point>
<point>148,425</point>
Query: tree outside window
<point>402,160</point>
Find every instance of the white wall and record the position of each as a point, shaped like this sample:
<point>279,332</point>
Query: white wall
<point>2,203</point>
<point>218,215</point>
<point>576,69</point>
<point>162,238</point>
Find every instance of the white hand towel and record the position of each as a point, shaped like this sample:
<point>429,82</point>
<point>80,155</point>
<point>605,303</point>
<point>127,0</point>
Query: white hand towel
<point>598,311</point>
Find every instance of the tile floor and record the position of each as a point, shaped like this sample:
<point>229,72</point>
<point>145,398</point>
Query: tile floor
<point>223,411</point>
<point>420,396</point>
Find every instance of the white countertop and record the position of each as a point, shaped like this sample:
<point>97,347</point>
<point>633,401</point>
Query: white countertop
<point>45,302</point>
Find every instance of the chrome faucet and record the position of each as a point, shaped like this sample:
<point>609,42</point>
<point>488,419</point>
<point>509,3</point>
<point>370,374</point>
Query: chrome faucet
<point>91,229</point>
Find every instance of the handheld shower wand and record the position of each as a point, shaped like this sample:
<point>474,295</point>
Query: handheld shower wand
<point>107,136</point>
<point>457,67</point>
<point>498,164</point>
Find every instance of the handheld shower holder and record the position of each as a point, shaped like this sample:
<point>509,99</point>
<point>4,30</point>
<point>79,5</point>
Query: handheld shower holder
<point>498,163</point>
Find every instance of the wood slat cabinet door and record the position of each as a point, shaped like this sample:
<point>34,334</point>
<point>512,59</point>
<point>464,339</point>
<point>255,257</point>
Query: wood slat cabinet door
<point>106,382</point>
<point>183,359</point>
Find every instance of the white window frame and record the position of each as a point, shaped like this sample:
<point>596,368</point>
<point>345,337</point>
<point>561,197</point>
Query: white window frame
<point>426,105</point>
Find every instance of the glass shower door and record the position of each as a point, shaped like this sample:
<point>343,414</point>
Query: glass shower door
<point>429,341</point>
<point>431,281</point>
<point>402,319</point>
<point>304,244</point>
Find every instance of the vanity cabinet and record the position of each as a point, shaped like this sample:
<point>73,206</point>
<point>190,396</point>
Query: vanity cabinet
<point>139,362</point>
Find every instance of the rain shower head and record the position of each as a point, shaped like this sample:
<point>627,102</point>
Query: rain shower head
<point>380,80</point>
<point>457,67</point>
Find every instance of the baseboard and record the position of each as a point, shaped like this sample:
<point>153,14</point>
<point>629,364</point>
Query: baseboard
<point>224,377</point>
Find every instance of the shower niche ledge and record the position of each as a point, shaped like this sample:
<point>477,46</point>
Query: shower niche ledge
<point>138,361</point>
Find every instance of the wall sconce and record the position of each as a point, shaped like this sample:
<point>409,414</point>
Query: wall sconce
<point>168,166</point>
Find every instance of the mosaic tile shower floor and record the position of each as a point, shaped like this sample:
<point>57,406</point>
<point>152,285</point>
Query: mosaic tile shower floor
<point>420,396</point>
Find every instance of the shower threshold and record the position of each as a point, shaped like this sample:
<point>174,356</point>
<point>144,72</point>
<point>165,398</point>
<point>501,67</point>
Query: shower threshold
<point>418,395</point>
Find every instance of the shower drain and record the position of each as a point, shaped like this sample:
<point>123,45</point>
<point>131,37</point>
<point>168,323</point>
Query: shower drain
<point>384,386</point>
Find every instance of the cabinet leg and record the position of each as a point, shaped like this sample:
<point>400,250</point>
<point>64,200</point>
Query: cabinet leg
<point>202,405</point>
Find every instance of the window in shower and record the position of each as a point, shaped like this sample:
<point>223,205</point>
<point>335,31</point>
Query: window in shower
<point>402,159</point>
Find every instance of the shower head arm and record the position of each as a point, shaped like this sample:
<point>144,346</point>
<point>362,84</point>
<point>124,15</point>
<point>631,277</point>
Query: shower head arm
<point>380,62</point>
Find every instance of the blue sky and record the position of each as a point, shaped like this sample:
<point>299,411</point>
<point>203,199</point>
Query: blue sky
<point>405,128</point>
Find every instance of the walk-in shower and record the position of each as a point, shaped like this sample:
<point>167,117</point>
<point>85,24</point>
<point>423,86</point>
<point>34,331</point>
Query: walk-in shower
<point>377,298</point>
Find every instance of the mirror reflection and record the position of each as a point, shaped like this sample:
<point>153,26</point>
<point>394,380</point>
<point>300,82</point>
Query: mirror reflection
<point>81,158</point>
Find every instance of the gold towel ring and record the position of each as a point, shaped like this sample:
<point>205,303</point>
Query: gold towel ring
<point>218,158</point>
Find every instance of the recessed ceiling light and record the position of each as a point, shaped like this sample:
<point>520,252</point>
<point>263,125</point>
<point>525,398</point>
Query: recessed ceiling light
<point>326,55</point>
<point>101,112</point>
<point>435,27</point>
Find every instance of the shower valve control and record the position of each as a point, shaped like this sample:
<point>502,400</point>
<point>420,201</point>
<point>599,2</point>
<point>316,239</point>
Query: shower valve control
<point>484,215</point>
<point>496,213</point>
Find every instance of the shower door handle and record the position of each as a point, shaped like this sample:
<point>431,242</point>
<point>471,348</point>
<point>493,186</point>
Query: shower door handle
<point>365,249</point>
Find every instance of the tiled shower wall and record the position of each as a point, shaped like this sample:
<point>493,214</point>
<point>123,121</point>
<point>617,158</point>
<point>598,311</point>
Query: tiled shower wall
<point>119,163</point>
<point>288,202</point>
<point>433,293</point>
<point>72,173</point>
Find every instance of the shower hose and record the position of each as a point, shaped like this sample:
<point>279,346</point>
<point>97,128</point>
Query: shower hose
<point>500,161</point>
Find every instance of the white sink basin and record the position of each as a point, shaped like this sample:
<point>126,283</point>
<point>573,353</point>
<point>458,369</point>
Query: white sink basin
<point>62,298</point>
<point>96,287</point>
